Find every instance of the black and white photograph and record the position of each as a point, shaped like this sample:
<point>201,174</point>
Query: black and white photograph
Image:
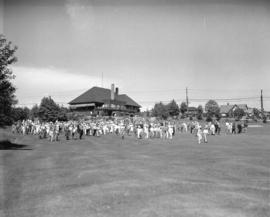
<point>134,108</point>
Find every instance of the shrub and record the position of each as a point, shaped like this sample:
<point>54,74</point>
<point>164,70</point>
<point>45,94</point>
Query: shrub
<point>209,119</point>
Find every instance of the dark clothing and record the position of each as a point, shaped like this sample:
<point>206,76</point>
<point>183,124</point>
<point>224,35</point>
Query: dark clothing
<point>233,128</point>
<point>67,133</point>
<point>80,131</point>
<point>239,127</point>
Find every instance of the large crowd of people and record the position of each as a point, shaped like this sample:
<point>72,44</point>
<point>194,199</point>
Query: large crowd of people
<point>141,128</point>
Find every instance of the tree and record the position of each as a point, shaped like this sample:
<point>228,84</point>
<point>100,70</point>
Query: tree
<point>50,111</point>
<point>34,112</point>
<point>256,113</point>
<point>7,90</point>
<point>173,108</point>
<point>148,113</point>
<point>199,112</point>
<point>183,108</point>
<point>238,113</point>
<point>62,116</point>
<point>208,118</point>
<point>212,109</point>
<point>19,113</point>
<point>160,110</point>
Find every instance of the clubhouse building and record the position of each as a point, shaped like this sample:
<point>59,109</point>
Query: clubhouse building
<point>105,101</point>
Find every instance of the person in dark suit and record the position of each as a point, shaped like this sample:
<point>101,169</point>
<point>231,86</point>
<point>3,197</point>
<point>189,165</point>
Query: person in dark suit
<point>234,128</point>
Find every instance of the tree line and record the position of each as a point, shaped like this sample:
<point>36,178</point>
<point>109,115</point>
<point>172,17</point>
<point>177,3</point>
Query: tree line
<point>210,111</point>
<point>48,110</point>
<point>172,109</point>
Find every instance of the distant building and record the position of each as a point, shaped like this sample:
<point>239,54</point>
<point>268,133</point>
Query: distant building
<point>228,110</point>
<point>105,101</point>
<point>243,106</point>
<point>267,114</point>
<point>250,112</point>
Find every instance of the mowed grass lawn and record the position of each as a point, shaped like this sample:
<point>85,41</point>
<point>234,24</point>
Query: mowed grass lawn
<point>107,176</point>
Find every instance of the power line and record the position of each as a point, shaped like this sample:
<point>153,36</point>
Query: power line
<point>194,99</point>
<point>62,93</point>
<point>225,99</point>
<point>206,99</point>
<point>226,90</point>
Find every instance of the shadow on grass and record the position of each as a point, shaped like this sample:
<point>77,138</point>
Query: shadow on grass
<point>7,145</point>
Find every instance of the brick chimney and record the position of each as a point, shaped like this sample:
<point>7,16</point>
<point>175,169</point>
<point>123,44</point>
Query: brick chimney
<point>112,92</point>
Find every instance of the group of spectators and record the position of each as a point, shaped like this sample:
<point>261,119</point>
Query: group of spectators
<point>138,127</point>
<point>96,127</point>
<point>236,127</point>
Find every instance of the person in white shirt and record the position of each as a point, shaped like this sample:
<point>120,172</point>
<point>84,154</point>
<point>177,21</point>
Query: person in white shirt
<point>212,129</point>
<point>139,131</point>
<point>199,134</point>
<point>146,130</point>
<point>170,131</point>
<point>205,133</point>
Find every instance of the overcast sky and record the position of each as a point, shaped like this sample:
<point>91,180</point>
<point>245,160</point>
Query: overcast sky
<point>151,50</point>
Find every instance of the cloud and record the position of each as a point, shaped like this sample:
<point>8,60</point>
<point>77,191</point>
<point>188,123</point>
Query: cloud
<point>34,83</point>
<point>81,15</point>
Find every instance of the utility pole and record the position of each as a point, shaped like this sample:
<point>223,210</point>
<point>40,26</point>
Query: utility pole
<point>262,102</point>
<point>187,96</point>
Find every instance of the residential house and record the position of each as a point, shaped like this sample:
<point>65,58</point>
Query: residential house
<point>227,110</point>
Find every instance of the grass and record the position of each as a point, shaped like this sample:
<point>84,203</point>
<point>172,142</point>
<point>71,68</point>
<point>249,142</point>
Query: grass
<point>107,176</point>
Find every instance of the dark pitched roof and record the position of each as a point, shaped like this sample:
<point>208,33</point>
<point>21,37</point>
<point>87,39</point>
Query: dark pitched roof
<point>127,99</point>
<point>242,106</point>
<point>95,94</point>
<point>100,95</point>
<point>226,108</point>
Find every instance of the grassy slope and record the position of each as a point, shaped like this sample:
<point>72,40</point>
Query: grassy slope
<point>229,176</point>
